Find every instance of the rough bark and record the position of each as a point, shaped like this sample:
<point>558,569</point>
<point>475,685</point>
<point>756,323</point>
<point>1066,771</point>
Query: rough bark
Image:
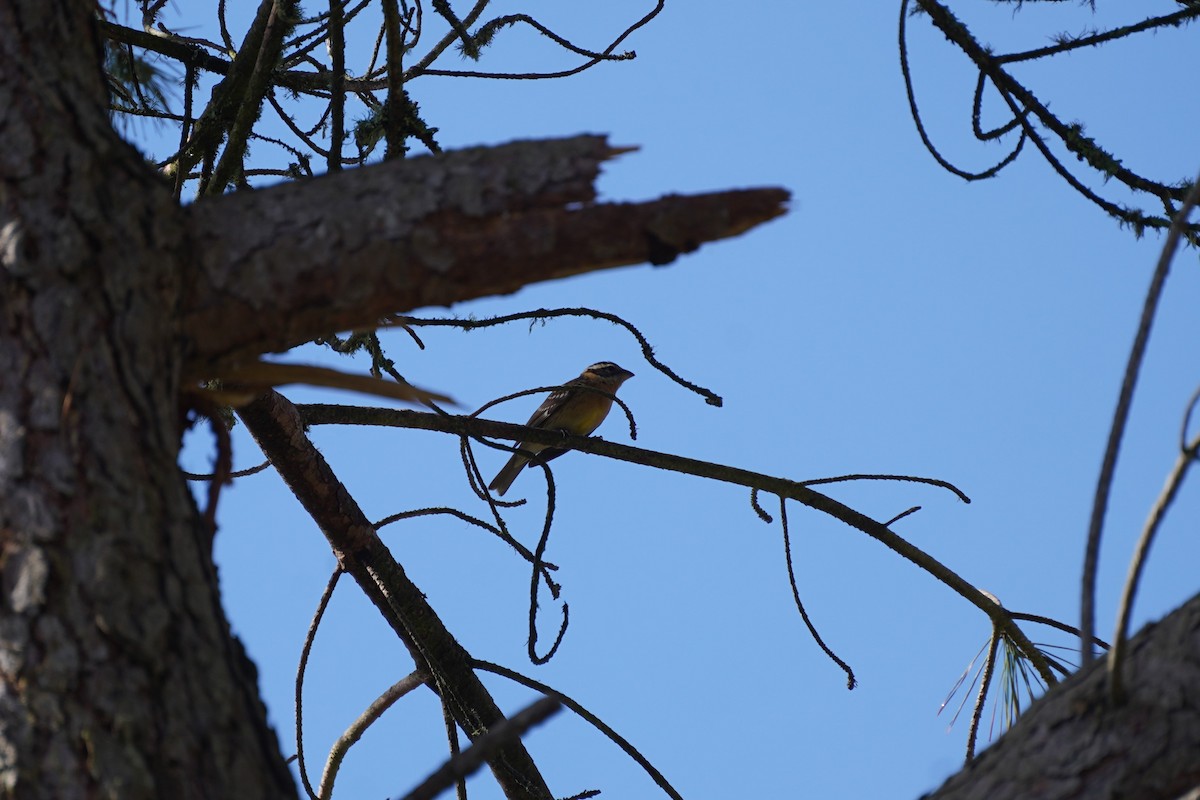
<point>1074,743</point>
<point>118,674</point>
<point>285,264</point>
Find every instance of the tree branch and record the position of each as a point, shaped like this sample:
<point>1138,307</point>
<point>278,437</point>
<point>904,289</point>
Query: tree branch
<point>258,84</point>
<point>957,33</point>
<point>275,425</point>
<point>1116,432</point>
<point>486,746</point>
<point>352,734</point>
<point>185,52</point>
<point>318,414</point>
<point>282,265</point>
<point>233,92</point>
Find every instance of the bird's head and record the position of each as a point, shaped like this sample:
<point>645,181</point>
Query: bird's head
<point>607,372</point>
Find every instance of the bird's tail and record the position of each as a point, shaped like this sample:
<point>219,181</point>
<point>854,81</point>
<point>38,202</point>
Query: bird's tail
<point>508,474</point>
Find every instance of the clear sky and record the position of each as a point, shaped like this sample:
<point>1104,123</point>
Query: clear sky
<point>897,320</point>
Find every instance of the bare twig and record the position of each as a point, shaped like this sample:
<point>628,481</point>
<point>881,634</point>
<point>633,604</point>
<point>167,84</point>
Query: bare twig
<point>941,484</point>
<point>851,681</point>
<point>917,120</point>
<point>1057,625</point>
<point>1148,24</point>
<point>302,669</point>
<point>588,717</point>
<point>1141,552</point>
<point>1087,624</point>
<point>500,533</point>
<point>484,748</point>
<point>1025,105</point>
<point>605,54</point>
<point>989,668</point>
<point>241,473</point>
<point>356,730</point>
<point>542,314</point>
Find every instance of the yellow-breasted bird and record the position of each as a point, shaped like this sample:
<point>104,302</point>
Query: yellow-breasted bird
<point>568,409</point>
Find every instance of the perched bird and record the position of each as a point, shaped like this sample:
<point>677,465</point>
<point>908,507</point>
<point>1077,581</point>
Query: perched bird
<point>568,409</point>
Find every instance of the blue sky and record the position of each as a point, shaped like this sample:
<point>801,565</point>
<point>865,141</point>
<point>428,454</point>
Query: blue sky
<point>898,320</point>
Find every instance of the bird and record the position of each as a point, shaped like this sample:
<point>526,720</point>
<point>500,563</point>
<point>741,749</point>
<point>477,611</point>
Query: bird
<point>568,409</point>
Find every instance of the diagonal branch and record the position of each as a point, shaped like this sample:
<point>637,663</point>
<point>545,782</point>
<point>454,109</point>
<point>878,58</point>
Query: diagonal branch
<point>258,84</point>
<point>275,424</point>
<point>242,86</point>
<point>279,266</point>
<point>1116,431</point>
<point>471,759</point>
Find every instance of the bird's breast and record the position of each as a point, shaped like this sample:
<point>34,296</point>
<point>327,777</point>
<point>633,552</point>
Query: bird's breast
<point>583,415</point>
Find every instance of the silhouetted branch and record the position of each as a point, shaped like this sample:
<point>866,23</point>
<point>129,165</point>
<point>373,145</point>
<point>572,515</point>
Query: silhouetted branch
<point>276,427</point>
<point>795,490</point>
<point>1025,108</point>
<point>590,718</point>
<point>282,265</point>
<point>1108,466</point>
<point>351,735</point>
<point>484,748</point>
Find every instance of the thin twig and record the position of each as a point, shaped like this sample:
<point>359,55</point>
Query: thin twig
<point>446,41</point>
<point>906,73</point>
<point>851,681</point>
<point>500,533</point>
<point>185,129</point>
<point>1087,624</point>
<point>989,669</point>
<point>959,493</point>
<point>534,583</point>
<point>603,55</point>
<point>540,314</point>
<point>305,652</point>
<point>241,473</point>
<point>276,426</point>
<point>1096,158</point>
<point>460,785</point>
<point>1158,513</point>
<point>357,728</point>
<point>588,717</point>
<point>1053,623</point>
<point>485,31</point>
<point>1148,24</point>
<point>485,747</point>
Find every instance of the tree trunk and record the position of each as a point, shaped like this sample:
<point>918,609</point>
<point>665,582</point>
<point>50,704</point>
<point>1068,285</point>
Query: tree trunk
<point>118,673</point>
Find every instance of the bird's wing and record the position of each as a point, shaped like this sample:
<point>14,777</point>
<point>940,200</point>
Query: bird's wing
<point>548,408</point>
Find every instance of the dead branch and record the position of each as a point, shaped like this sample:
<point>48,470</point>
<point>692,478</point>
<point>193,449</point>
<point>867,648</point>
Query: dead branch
<point>275,424</point>
<point>279,266</point>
